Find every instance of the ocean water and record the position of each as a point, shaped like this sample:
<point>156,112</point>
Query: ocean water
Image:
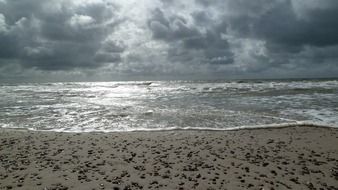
<point>167,105</point>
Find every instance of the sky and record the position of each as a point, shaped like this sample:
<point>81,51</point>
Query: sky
<point>100,40</point>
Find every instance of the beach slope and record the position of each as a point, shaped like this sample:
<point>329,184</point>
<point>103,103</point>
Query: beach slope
<point>285,158</point>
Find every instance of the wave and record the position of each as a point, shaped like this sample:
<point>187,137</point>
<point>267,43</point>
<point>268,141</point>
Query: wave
<point>266,126</point>
<point>135,84</point>
<point>237,128</point>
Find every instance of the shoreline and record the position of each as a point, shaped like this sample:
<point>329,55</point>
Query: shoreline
<point>239,128</point>
<point>274,158</point>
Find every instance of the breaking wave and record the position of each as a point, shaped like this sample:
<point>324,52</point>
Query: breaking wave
<point>168,105</point>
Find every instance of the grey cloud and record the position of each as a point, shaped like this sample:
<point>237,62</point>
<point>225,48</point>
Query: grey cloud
<point>110,52</point>
<point>58,35</point>
<point>187,39</point>
<point>113,46</point>
<point>160,31</point>
<point>279,24</point>
<point>103,57</point>
<point>170,28</point>
<point>288,35</point>
<point>220,38</point>
<point>3,25</point>
<point>201,18</point>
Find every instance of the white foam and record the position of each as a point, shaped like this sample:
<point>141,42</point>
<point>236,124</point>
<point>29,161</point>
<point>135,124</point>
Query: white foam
<point>142,129</point>
<point>91,107</point>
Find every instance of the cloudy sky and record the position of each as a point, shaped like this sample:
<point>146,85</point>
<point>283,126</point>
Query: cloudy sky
<point>167,39</point>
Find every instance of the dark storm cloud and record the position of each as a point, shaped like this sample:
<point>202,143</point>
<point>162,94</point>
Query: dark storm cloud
<point>172,28</point>
<point>280,25</point>
<point>285,27</point>
<point>110,52</point>
<point>219,38</point>
<point>57,35</point>
<point>184,37</point>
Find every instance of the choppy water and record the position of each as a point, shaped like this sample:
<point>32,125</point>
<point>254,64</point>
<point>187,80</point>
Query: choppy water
<point>165,105</point>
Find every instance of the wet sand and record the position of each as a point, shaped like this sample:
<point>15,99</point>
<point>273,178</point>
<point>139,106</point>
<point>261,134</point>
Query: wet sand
<point>286,158</point>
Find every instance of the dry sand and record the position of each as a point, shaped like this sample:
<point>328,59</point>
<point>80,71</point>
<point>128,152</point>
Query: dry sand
<point>287,158</point>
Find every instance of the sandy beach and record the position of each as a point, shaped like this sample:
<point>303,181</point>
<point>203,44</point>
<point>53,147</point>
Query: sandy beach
<point>285,158</point>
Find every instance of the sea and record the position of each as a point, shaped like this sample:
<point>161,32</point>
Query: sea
<point>168,105</point>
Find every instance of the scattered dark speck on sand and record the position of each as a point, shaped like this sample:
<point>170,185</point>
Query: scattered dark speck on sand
<point>245,159</point>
